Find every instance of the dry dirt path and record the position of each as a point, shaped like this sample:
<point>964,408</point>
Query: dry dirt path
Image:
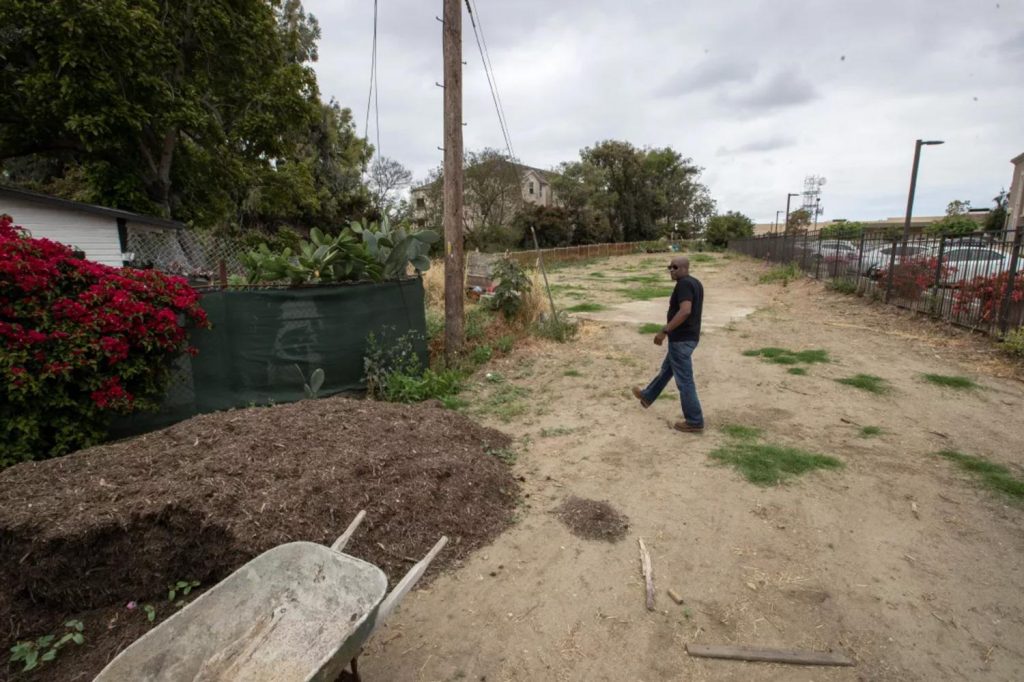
<point>898,559</point>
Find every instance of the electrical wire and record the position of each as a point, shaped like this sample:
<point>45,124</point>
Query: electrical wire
<point>489,73</point>
<point>371,95</point>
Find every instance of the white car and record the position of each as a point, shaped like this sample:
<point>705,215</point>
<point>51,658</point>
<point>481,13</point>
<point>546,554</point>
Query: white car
<point>963,263</point>
<point>878,258</point>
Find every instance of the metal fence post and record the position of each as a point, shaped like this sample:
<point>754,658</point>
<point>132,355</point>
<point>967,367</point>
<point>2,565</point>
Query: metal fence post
<point>937,310</point>
<point>817,257</point>
<point>1004,314</point>
<point>860,258</point>
<point>892,268</point>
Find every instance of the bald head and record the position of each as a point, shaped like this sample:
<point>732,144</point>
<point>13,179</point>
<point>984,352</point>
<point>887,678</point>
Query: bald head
<point>680,267</point>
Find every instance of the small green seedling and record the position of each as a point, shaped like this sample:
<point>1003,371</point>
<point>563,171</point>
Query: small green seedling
<point>182,586</point>
<point>44,649</point>
<point>150,612</point>
<point>316,381</point>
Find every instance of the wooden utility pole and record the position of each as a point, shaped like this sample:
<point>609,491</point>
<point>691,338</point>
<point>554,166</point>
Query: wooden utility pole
<point>454,293</point>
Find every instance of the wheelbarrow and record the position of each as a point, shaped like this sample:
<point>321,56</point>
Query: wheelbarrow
<point>298,612</point>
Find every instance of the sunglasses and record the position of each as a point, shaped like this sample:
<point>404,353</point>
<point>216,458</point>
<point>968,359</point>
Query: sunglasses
<point>673,267</point>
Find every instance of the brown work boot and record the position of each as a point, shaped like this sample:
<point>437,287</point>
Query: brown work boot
<point>638,393</point>
<point>687,428</point>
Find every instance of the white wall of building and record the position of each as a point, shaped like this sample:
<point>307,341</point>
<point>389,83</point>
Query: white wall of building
<point>92,233</point>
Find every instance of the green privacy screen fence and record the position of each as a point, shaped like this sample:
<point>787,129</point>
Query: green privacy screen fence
<point>261,338</point>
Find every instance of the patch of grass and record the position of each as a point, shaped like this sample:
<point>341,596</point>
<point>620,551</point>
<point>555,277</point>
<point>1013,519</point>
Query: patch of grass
<point>871,431</point>
<point>668,396</point>
<point>784,356</point>
<point>1013,343</point>
<point>798,371</point>
<point>587,307</point>
<point>646,293</point>
<point>781,273</point>
<point>843,285</point>
<point>559,288</point>
<point>505,343</point>
<point>481,354</point>
<point>959,383</point>
<point>991,475</point>
<point>867,382</point>
<point>505,455</point>
<point>599,275</point>
<point>649,328</point>
<point>572,373</point>
<point>766,464</point>
<point>561,328</point>
<point>556,432</point>
<point>700,258</point>
<point>453,402</point>
<point>643,279</point>
<point>506,402</point>
<point>741,432</point>
<point>478,319</point>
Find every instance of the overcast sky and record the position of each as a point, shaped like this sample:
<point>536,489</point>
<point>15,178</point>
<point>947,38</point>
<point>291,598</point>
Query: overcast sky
<point>758,93</point>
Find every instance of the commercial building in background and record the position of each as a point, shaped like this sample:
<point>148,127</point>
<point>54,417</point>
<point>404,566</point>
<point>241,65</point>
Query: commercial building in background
<point>1015,211</point>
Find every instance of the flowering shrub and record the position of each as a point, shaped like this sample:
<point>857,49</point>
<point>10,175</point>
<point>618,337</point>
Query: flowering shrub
<point>80,341</point>
<point>913,277</point>
<point>985,295</point>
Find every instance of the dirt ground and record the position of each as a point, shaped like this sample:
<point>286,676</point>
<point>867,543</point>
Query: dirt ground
<point>83,535</point>
<point>898,560</point>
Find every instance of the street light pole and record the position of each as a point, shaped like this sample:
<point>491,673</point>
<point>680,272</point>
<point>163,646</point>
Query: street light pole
<point>913,187</point>
<point>817,210</point>
<point>788,197</point>
<point>776,222</point>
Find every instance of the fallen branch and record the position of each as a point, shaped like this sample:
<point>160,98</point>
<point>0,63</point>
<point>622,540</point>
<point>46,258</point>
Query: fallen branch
<point>645,565</point>
<point>746,653</point>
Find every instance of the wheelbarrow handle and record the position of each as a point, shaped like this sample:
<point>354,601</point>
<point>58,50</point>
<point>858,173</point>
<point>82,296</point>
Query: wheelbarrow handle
<point>343,539</point>
<point>406,584</point>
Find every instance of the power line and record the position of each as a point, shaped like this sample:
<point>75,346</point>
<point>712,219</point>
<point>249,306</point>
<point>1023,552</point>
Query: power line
<point>491,83</point>
<point>494,77</point>
<point>371,95</point>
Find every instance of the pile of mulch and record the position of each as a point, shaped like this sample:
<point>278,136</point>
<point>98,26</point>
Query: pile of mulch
<point>84,534</point>
<point>593,520</point>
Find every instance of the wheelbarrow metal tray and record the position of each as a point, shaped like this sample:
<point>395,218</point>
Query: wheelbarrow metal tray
<point>298,612</point>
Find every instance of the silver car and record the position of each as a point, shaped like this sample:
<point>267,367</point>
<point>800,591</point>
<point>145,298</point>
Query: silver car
<point>964,263</point>
<point>877,259</point>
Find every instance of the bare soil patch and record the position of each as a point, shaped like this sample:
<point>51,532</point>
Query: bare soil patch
<point>593,519</point>
<point>84,534</point>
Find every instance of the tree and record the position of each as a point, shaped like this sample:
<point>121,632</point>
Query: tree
<point>202,110</point>
<point>798,221</point>
<point>387,178</point>
<point>842,229</point>
<point>956,223</point>
<point>730,225</point>
<point>996,218</point>
<point>631,212</point>
<point>551,223</point>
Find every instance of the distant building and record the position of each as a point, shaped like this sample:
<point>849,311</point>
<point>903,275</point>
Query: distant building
<point>536,188</point>
<point>102,233</point>
<point>918,223</point>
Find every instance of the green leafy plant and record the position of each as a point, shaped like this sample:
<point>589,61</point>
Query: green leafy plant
<point>394,371</point>
<point>182,587</point>
<point>505,343</point>
<point>315,382</point>
<point>867,382</point>
<point>844,285</point>
<point>150,612</point>
<point>513,285</point>
<point>481,354</point>
<point>32,654</point>
<point>1013,342</point>
<point>396,248</point>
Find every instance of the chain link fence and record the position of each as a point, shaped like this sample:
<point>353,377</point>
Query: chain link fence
<point>203,257</point>
<point>974,281</point>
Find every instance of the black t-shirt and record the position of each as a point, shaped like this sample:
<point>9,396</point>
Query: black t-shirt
<point>687,289</point>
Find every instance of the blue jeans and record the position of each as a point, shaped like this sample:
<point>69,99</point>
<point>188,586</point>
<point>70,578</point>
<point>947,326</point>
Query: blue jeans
<point>679,364</point>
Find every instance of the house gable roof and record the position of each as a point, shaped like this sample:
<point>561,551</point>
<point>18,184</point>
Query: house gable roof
<point>70,205</point>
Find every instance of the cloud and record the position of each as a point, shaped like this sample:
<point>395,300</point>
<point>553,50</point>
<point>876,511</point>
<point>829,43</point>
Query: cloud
<point>707,75</point>
<point>766,144</point>
<point>786,88</point>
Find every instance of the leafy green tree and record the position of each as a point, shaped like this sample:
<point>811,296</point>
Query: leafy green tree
<point>843,229</point>
<point>996,218</point>
<point>202,110</point>
<point>956,223</point>
<point>725,227</point>
<point>799,220</point>
<point>551,223</point>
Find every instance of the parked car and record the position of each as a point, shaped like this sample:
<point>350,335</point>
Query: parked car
<point>962,264</point>
<point>827,250</point>
<point>878,258</point>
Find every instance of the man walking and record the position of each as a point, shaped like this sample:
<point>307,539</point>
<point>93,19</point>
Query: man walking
<point>683,333</point>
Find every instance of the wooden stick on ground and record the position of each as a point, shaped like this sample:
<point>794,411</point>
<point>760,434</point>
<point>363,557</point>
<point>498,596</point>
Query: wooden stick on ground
<point>746,653</point>
<point>645,565</point>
